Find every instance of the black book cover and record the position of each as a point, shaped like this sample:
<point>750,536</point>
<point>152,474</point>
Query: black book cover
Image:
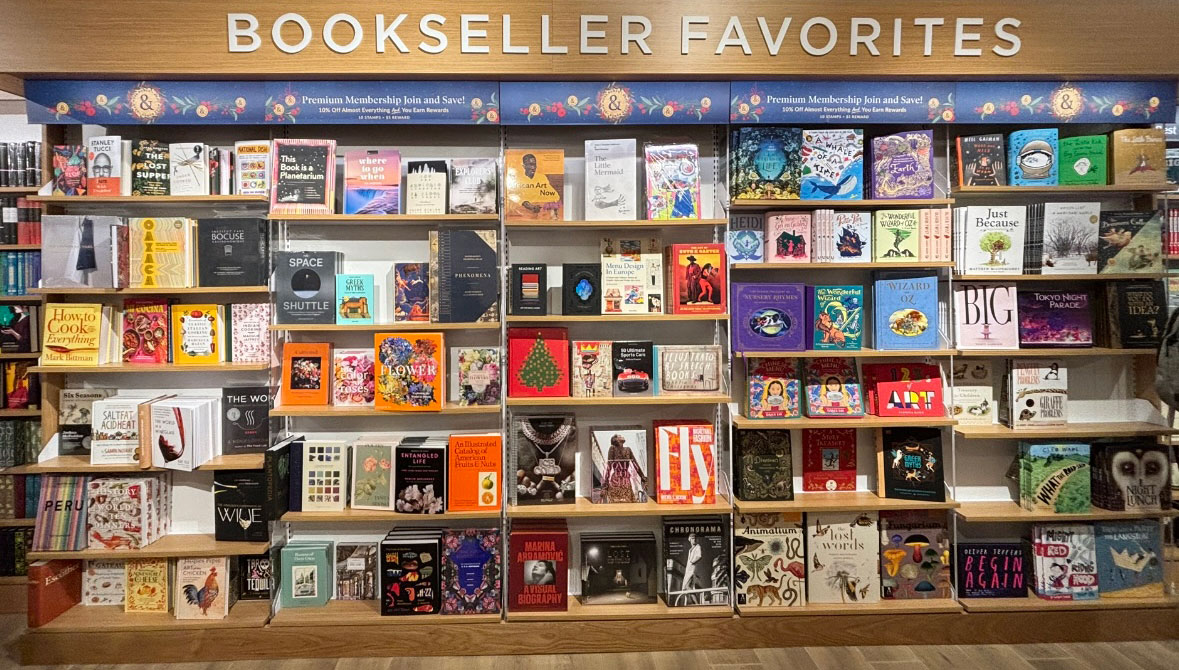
<point>232,252</point>
<point>696,561</point>
<point>581,288</point>
<point>464,276</point>
<point>1137,314</point>
<point>912,467</point>
<point>634,368</point>
<point>238,499</point>
<point>983,160</point>
<point>763,462</point>
<point>150,172</point>
<point>16,329</point>
<point>529,290</point>
<point>993,570</point>
<point>305,286</point>
<point>301,169</point>
<point>544,454</point>
<point>295,480</point>
<point>277,466</point>
<point>618,569</point>
<point>254,575</point>
<point>246,425</point>
<point>410,577</point>
<point>1130,476</point>
<point>419,479</point>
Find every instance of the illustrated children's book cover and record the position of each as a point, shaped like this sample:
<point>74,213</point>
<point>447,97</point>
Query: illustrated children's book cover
<point>1130,242</point>
<point>355,299</point>
<point>771,563</point>
<point>1035,394</point>
<point>1055,319</point>
<point>1032,157</point>
<point>982,160</point>
<point>974,391</point>
<point>902,165</point>
<point>897,235</point>
<point>769,317</point>
<point>911,465</point>
<point>914,555</point>
<point>788,237</point>
<point>1083,160</point>
<point>906,312</point>
<point>1054,477</point>
<point>843,557</point>
<point>773,388</point>
<point>745,240</point>
<point>852,233</point>
<point>763,467</point>
<point>673,181</point>
<point>833,388</point>
<point>1065,561</point>
<point>832,164</point>
<point>985,316</point>
<point>765,163</point>
<point>1129,559</point>
<point>837,317</point>
<point>829,459</point>
<point>1070,237</point>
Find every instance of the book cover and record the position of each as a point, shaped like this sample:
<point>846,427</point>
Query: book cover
<point>198,334</point>
<point>252,167</point>
<point>146,330</point>
<point>353,377</point>
<point>774,389</point>
<point>411,301</point>
<point>54,587</point>
<point>372,474</point>
<point>474,463</point>
<point>912,467</point>
<point>255,575</point>
<point>426,184</point>
<point>305,370</point>
<point>610,180</point>
<point>852,237</point>
<point>474,186</point>
<point>697,272</point>
<point>1128,559</point>
<point>1138,156</point>
<point>992,570</point>
<point>993,240</point>
<point>581,288</point>
<point>619,569</point>
<point>245,422</point>
<point>472,571</point>
<point>914,555</point>
<point>770,560</point>
<point>410,371</point>
<point>788,237</point>
<point>1137,313</point>
<point>763,465</point>
<point>69,169</point>
<point>837,317</point>
<point>1065,561</point>
<point>463,278</point>
<point>233,252</point>
<point>324,482</point>
<point>1128,476</point>
<point>372,181</point>
<point>146,580</point>
<point>1070,237</point>
<point>765,163</point>
<point>1037,396</point>
<point>688,369</point>
<point>188,165</point>
<point>75,409</point>
<point>902,165</point>
<point>631,275</point>
<point>1032,157</point>
<point>974,392</point>
<point>419,478</point>
<point>249,330</point>
<point>833,388</point>
<point>20,329</point>
<point>633,365</point>
<point>102,582</point>
<point>75,334</point>
<point>538,572</point>
<point>769,317</point>
<point>410,575</point>
<point>303,176</point>
<point>355,299</point>
<point>906,312</point>
<point>1130,242</point>
<point>238,500</point>
<point>673,181</point>
<point>745,239</point>
<point>1054,477</point>
<point>832,164</point>
<point>829,459</point>
<point>1055,319</point>
<point>985,316</point>
<point>475,377</point>
<point>356,571</point>
<point>76,251</point>
<point>529,290</point>
<point>544,457</point>
<point>620,464</point>
<point>843,557</point>
<point>114,431</point>
<point>108,161</point>
<point>305,286</point>
<point>592,372</point>
<point>904,389</point>
<point>685,464</point>
<point>896,233</point>
<point>307,574</point>
<point>538,362</point>
<point>982,160</point>
<point>116,513</point>
<point>151,173</point>
<point>696,556</point>
<point>534,185</point>
<point>1083,160</point>
<point>161,252</point>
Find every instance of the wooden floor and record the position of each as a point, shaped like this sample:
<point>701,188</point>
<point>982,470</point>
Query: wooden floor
<point>1162,655</point>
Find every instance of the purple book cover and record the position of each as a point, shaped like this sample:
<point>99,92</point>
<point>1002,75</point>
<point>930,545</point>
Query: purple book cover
<point>902,165</point>
<point>1055,319</point>
<point>769,317</point>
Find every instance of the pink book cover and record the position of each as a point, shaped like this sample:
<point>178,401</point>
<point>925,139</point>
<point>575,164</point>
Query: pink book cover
<point>372,181</point>
<point>145,331</point>
<point>788,237</point>
<point>250,332</point>
<point>985,315</point>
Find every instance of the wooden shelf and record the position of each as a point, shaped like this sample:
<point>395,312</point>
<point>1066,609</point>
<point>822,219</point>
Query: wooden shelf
<point>1095,188</point>
<point>837,501</point>
<point>381,218</point>
<point>364,613</point>
<point>20,356</point>
<point>16,413</point>
<point>151,367</point>
<point>166,547</point>
<point>14,581</point>
<point>607,318</point>
<point>641,611</point>
<point>1081,431</point>
<point>899,265</point>
<point>81,463</point>
<point>885,607</point>
<point>839,204</point>
<point>341,411</point>
<point>20,247</point>
<point>16,523</point>
<point>19,298</point>
<point>187,290</point>
<point>18,190</point>
<point>582,507</point>
<point>1057,352</point>
<point>112,618</point>
<point>1110,276</point>
<point>1010,511</point>
<point>378,327</point>
<point>619,400</point>
<point>602,225</point>
<point>377,515</point>
<point>1034,603</point>
<point>849,353</point>
<point>148,199</point>
<point>867,421</point>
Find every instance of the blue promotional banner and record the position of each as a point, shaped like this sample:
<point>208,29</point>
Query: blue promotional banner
<point>843,102</point>
<point>620,103</point>
<point>355,102</point>
<point>1065,102</point>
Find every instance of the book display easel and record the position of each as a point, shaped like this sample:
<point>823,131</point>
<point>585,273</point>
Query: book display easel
<point>607,365</point>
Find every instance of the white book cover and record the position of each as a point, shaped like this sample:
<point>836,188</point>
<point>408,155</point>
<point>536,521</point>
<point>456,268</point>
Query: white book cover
<point>611,180</point>
<point>1070,237</point>
<point>102,582</point>
<point>1039,393</point>
<point>843,557</point>
<point>974,391</point>
<point>105,174</point>
<point>189,162</point>
<point>745,240</point>
<point>252,173</point>
<point>325,475</point>
<point>182,432</point>
<point>114,431</point>
<point>426,186</point>
<point>852,233</point>
<point>632,276</point>
<point>994,239</point>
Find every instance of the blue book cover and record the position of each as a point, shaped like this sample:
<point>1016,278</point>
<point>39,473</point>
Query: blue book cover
<point>1032,157</point>
<point>354,299</point>
<point>745,240</point>
<point>769,317</point>
<point>836,316</point>
<point>1129,559</point>
<point>832,164</point>
<point>906,312</point>
<point>764,163</point>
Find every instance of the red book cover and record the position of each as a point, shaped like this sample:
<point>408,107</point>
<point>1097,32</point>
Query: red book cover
<point>697,277</point>
<point>538,362</point>
<point>539,571</point>
<point>685,462</point>
<point>908,389</point>
<point>54,587</point>
<point>829,459</point>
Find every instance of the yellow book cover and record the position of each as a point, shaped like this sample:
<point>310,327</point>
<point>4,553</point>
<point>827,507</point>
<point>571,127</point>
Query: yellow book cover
<point>146,584</point>
<point>1139,156</point>
<point>72,334</point>
<point>534,184</point>
<point>198,334</point>
<point>160,252</point>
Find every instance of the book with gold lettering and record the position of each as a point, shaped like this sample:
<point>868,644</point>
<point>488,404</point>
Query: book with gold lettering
<point>78,334</point>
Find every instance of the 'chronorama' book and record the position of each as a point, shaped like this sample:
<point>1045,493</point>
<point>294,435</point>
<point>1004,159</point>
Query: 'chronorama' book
<point>696,560</point>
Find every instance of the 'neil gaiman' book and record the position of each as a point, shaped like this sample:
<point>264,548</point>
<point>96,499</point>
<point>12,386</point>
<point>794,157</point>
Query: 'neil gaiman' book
<point>982,160</point>
<point>619,568</point>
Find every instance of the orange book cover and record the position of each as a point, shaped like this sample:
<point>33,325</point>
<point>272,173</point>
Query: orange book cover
<point>306,373</point>
<point>534,184</point>
<point>410,371</point>
<point>54,587</point>
<point>696,275</point>
<point>198,334</point>
<point>473,473</point>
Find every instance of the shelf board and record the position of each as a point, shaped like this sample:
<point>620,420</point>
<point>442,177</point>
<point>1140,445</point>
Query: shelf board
<point>885,607</point>
<point>17,523</point>
<point>19,298</point>
<point>15,413</point>
<point>148,199</point>
<point>607,318</point>
<point>151,367</point>
<point>601,225</point>
<point>1073,430</point>
<point>582,507</point>
<point>20,247</point>
<point>640,611</point>
<point>365,613</point>
<point>81,463</point>
<point>1053,352</point>
<point>837,501</point>
<point>839,204</point>
<point>867,421</point>
<point>374,515</point>
<point>341,411</point>
<point>378,327</point>
<point>1109,276</point>
<point>849,353</point>
<point>1010,511</point>
<point>87,290</point>
<point>1094,188</point>
<point>899,265</point>
<point>112,618</point>
<point>20,356</point>
<point>1034,603</point>
<point>165,547</point>
<point>14,581</point>
<point>382,218</point>
<point>619,400</point>
<point>18,190</point>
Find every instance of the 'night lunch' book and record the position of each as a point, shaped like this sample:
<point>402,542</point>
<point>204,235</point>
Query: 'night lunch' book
<point>303,177</point>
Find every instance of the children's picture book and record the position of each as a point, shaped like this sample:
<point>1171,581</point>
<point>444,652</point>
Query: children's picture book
<point>769,317</point>
<point>1129,563</point>
<point>906,312</point>
<point>982,160</point>
<point>993,240</point>
<point>852,236</point>
<point>788,237</point>
<point>534,184</point>
<point>914,555</point>
<point>985,316</point>
<point>897,238</point>
<point>1070,237</point>
<point>832,164</point>
<point>1065,557</point>
<point>843,557</point>
<point>771,563</point>
<point>410,371</point>
<point>1131,475</point>
<point>902,165</point>
<point>673,181</point>
<point>974,392</point>
<point>1054,477</point>
<point>1055,319</point>
<point>765,163</point>
<point>1032,157</point>
<point>911,465</point>
<point>829,459</point>
<point>1137,313</point>
<point>837,317</point>
<point>1138,156</point>
<point>773,388</point>
<point>1083,160</point>
<point>904,389</point>
<point>1130,242</point>
<point>1036,395</point>
<point>833,388</point>
<point>745,240</point>
<point>372,181</point>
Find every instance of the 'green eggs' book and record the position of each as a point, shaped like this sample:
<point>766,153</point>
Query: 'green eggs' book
<point>1083,160</point>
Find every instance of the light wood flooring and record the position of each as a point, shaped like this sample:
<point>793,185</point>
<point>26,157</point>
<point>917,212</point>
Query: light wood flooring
<point>1161,655</point>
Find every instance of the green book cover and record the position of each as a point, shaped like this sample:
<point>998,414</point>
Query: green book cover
<point>1083,160</point>
<point>307,574</point>
<point>1054,477</point>
<point>896,238</point>
<point>837,317</point>
<point>355,299</point>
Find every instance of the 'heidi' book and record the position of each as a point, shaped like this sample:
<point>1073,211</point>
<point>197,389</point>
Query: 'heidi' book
<point>372,181</point>
<point>745,240</point>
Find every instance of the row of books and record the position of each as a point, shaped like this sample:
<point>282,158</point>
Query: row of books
<point>77,512</point>
<point>1073,478</point>
<point>829,236</point>
<point>1171,232</point>
<point>20,163</point>
<point>1056,238</point>
<point>1040,157</point>
<point>153,252</point>
<point>20,442</point>
<point>19,272</point>
<point>108,165</point>
<point>19,495</point>
<point>1106,559</point>
<point>14,551</point>
<point>20,221</point>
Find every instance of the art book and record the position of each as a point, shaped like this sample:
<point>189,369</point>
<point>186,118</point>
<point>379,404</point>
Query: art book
<point>539,566</point>
<point>906,312</point>
<point>189,165</point>
<point>544,458</point>
<point>372,474</point>
<point>673,181</point>
<point>897,235</point>
<point>475,376</point>
<point>592,369</point>
<point>538,362</point>
<point>745,240</point>
<point>688,369</point>
<point>914,555</point>
<point>993,240</point>
<point>355,299</point>
<point>902,165</point>
<point>1070,237</point>
<point>911,465</point>
<point>410,371</point>
<point>685,462</point>
<point>763,464</point>
<point>472,571</point>
<point>356,571</point>
<point>303,177</point>
<point>1130,242</point>
<point>633,368</point>
<point>473,186</point>
<point>832,164</point>
<point>1083,160</point>
<point>1055,319</point>
<point>620,464</point>
<point>534,185</point>
<point>1032,157</point>
<point>836,317</point>
<point>473,472</point>
<point>306,367</point>
<point>409,569</point>
<point>788,237</point>
<point>774,389</point>
<point>204,587</point>
<point>974,392</point>
<point>770,564</point>
<point>146,330</point>
<point>829,459</point>
<point>982,160</point>
<point>372,181</point>
<point>852,237</point>
<point>904,389</point>
<point>632,275</point>
<point>833,388</point>
<point>696,273</point>
<point>610,180</point>
<point>692,548</point>
<point>411,301</point>
<point>765,163</point>
<point>353,377</point>
<point>985,316</point>
<point>843,557</point>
